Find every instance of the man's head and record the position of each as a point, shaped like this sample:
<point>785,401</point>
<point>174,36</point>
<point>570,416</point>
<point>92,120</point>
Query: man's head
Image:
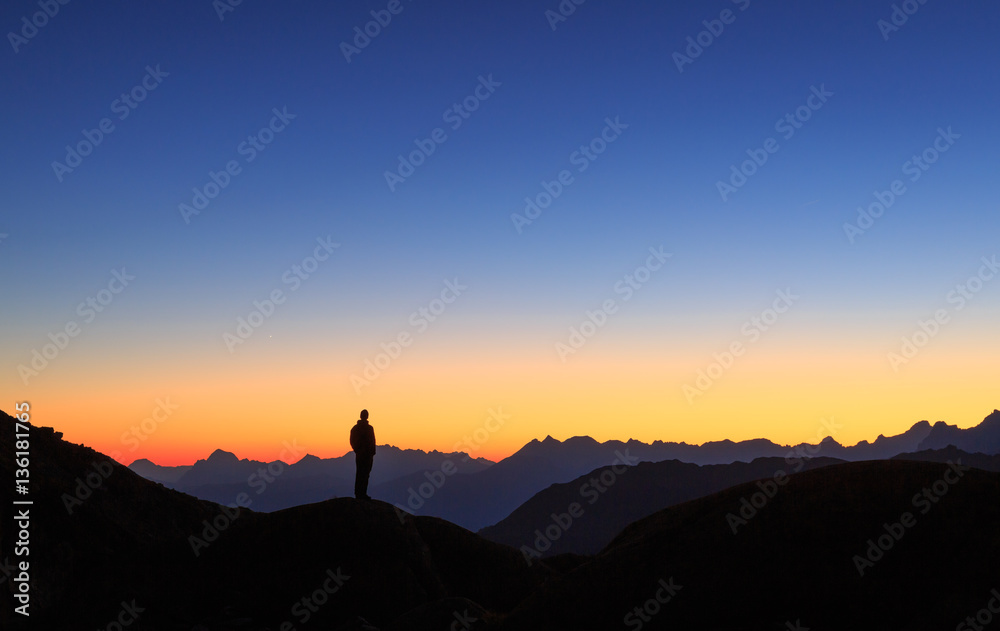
<point>364,415</point>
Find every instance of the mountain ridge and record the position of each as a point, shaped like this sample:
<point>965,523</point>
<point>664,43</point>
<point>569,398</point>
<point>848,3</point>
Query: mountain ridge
<point>930,437</point>
<point>475,499</point>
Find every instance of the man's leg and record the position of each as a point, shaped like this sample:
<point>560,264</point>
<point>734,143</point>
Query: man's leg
<point>364,469</point>
<point>364,482</point>
<point>359,474</point>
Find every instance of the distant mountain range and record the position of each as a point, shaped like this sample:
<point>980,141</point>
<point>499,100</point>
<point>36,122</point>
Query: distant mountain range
<point>899,543</point>
<point>480,493</point>
<point>270,486</point>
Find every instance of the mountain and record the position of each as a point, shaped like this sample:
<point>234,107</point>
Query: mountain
<point>482,499</point>
<point>275,485</point>
<point>610,498</point>
<point>475,501</point>
<point>486,498</point>
<point>954,454</point>
<point>221,467</point>
<point>477,493</point>
<point>883,447</point>
<point>983,438</point>
<point>157,473</point>
<point>800,561</point>
<point>648,487</point>
<point>105,541</point>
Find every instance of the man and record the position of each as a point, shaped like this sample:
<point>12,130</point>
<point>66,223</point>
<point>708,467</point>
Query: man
<point>363,444</point>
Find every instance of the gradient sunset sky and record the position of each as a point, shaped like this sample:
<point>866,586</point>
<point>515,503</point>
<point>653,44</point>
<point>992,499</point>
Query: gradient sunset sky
<point>623,76</point>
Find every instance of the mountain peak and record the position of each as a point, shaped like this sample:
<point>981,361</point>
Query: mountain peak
<point>222,456</point>
<point>992,419</point>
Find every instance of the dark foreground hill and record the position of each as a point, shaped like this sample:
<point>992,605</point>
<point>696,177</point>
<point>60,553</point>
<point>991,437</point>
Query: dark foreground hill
<point>852,546</point>
<point>106,543</point>
<point>843,546</point>
<point>952,453</point>
<point>611,498</point>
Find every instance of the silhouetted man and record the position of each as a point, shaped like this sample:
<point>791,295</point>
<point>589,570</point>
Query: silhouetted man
<point>363,444</point>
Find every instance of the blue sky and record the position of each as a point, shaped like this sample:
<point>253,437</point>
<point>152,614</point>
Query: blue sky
<point>324,174</point>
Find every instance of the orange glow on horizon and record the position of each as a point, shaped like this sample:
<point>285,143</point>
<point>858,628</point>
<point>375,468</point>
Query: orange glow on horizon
<point>433,398</point>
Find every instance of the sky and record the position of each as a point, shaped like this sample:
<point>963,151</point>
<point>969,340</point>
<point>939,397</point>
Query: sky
<point>235,225</point>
